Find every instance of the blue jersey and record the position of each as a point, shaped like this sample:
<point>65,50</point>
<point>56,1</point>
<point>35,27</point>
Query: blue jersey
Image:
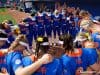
<point>13,62</point>
<point>64,25</point>
<point>63,20</point>
<point>53,68</point>
<point>96,38</point>
<point>68,65</point>
<point>41,30</point>
<point>8,31</point>
<point>33,27</point>
<point>76,20</point>
<point>48,25</point>
<point>27,20</point>
<point>92,55</point>
<point>88,57</point>
<point>47,22</point>
<point>10,35</point>
<point>56,20</point>
<point>33,31</point>
<point>39,19</point>
<point>56,24</point>
<point>23,29</point>
<point>47,19</point>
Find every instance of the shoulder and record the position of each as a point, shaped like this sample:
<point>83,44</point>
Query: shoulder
<point>66,57</point>
<point>67,60</point>
<point>26,58</point>
<point>14,58</point>
<point>90,51</point>
<point>27,61</point>
<point>14,55</point>
<point>56,61</point>
<point>54,64</point>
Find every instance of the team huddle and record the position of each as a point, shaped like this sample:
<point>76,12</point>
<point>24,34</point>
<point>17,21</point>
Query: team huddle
<point>76,52</point>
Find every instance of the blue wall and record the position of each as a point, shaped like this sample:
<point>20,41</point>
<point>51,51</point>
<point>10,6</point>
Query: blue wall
<point>91,5</point>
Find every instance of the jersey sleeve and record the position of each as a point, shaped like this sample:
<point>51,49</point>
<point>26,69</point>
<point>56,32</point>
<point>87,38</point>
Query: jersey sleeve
<point>92,57</point>
<point>27,61</point>
<point>17,61</point>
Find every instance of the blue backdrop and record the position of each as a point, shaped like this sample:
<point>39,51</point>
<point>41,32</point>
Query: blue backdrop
<point>91,5</point>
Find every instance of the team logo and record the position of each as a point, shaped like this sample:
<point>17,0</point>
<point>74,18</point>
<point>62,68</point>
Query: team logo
<point>18,61</point>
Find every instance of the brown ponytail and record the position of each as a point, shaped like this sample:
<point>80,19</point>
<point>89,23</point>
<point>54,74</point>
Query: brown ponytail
<point>68,43</point>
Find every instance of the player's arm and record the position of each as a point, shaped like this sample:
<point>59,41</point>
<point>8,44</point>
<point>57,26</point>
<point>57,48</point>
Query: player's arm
<point>95,67</point>
<point>93,61</point>
<point>4,74</point>
<point>20,70</point>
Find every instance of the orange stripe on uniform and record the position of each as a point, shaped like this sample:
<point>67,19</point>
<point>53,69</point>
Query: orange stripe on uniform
<point>73,54</point>
<point>1,53</point>
<point>33,58</point>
